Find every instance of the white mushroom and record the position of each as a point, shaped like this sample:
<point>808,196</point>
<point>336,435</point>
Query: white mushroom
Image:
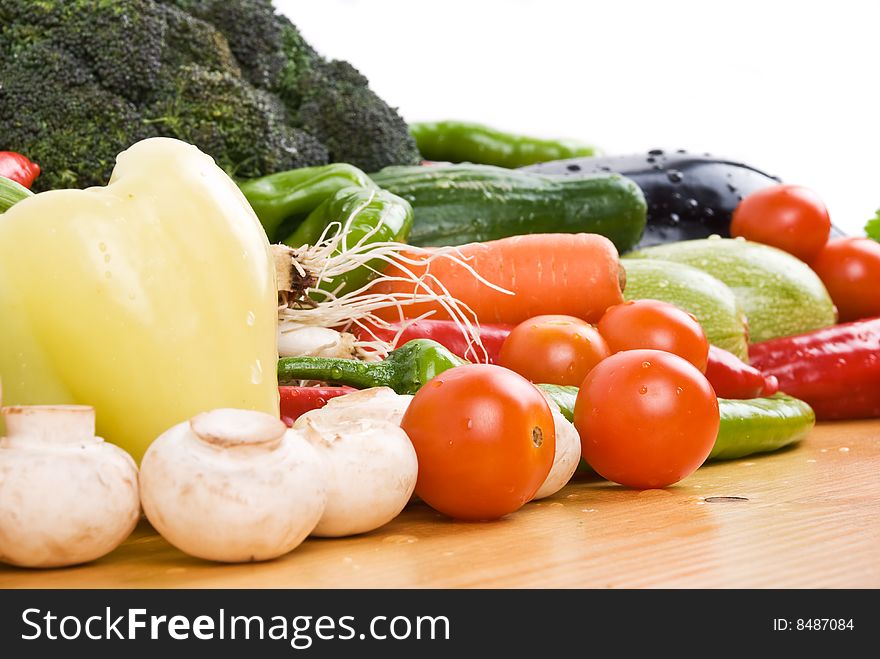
<point>380,403</point>
<point>372,465</point>
<point>566,458</point>
<point>233,486</point>
<point>66,496</point>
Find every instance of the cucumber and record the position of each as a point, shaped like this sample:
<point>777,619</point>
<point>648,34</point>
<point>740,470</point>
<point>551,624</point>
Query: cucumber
<point>457,204</point>
<point>760,425</point>
<point>779,293</point>
<point>711,301</point>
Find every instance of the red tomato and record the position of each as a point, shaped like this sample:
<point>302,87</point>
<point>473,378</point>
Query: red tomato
<point>553,349</point>
<point>485,440</point>
<point>850,270</point>
<point>656,325</point>
<point>789,217</point>
<point>646,418</point>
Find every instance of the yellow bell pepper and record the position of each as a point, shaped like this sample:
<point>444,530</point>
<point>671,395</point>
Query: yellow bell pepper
<point>152,299</point>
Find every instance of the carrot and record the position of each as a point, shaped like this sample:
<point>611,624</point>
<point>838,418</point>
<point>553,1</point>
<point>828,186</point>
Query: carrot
<point>558,273</point>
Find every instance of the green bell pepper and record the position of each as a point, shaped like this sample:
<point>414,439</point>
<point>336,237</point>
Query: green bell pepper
<point>405,369</point>
<point>283,200</point>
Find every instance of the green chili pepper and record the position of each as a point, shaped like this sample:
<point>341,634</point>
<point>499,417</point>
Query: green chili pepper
<point>283,200</point>
<point>756,425</point>
<point>365,216</point>
<point>457,141</point>
<point>405,369</point>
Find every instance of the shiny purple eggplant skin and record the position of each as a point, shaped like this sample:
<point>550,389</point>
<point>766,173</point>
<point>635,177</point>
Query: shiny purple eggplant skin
<point>689,195</point>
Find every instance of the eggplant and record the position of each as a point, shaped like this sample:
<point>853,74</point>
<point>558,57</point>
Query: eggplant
<point>689,195</point>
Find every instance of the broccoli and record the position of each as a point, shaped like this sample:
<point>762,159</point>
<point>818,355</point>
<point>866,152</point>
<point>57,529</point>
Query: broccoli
<point>336,104</point>
<point>81,80</point>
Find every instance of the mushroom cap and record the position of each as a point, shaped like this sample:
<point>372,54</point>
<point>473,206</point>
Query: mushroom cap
<point>381,403</point>
<point>66,497</point>
<point>226,487</point>
<point>226,427</point>
<point>371,464</point>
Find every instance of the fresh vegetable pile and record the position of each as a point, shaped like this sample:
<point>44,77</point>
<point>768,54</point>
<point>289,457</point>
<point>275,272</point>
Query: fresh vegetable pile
<point>299,350</point>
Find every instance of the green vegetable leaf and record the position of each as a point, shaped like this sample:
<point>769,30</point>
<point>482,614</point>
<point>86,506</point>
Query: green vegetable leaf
<point>872,228</point>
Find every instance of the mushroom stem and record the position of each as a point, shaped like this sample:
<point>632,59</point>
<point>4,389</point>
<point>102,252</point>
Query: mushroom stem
<point>231,428</point>
<point>50,424</point>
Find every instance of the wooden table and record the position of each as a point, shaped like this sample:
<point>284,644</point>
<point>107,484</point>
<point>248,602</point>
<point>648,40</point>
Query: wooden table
<point>803,517</point>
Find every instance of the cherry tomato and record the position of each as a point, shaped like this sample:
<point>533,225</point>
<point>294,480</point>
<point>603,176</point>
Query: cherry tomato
<point>656,325</point>
<point>789,217</point>
<point>646,418</point>
<point>850,270</point>
<point>485,440</point>
<point>553,349</point>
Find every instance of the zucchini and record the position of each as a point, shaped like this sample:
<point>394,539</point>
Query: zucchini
<point>779,293</point>
<point>711,301</point>
<point>457,204</point>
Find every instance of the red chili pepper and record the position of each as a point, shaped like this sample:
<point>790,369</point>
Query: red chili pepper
<point>836,370</point>
<point>296,401</point>
<point>16,167</point>
<point>731,377</point>
<point>444,332</point>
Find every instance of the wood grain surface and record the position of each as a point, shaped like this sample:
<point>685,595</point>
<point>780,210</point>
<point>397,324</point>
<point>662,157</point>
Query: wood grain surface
<point>803,517</point>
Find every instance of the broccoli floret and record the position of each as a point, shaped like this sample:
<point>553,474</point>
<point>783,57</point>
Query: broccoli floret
<point>190,40</point>
<point>351,120</point>
<point>238,117</point>
<point>74,135</point>
<point>254,32</point>
<point>81,80</point>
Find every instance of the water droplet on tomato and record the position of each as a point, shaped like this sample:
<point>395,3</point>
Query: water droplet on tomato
<point>643,390</point>
<point>646,364</point>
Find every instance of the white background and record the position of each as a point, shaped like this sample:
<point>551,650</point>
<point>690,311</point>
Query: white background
<point>790,87</point>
